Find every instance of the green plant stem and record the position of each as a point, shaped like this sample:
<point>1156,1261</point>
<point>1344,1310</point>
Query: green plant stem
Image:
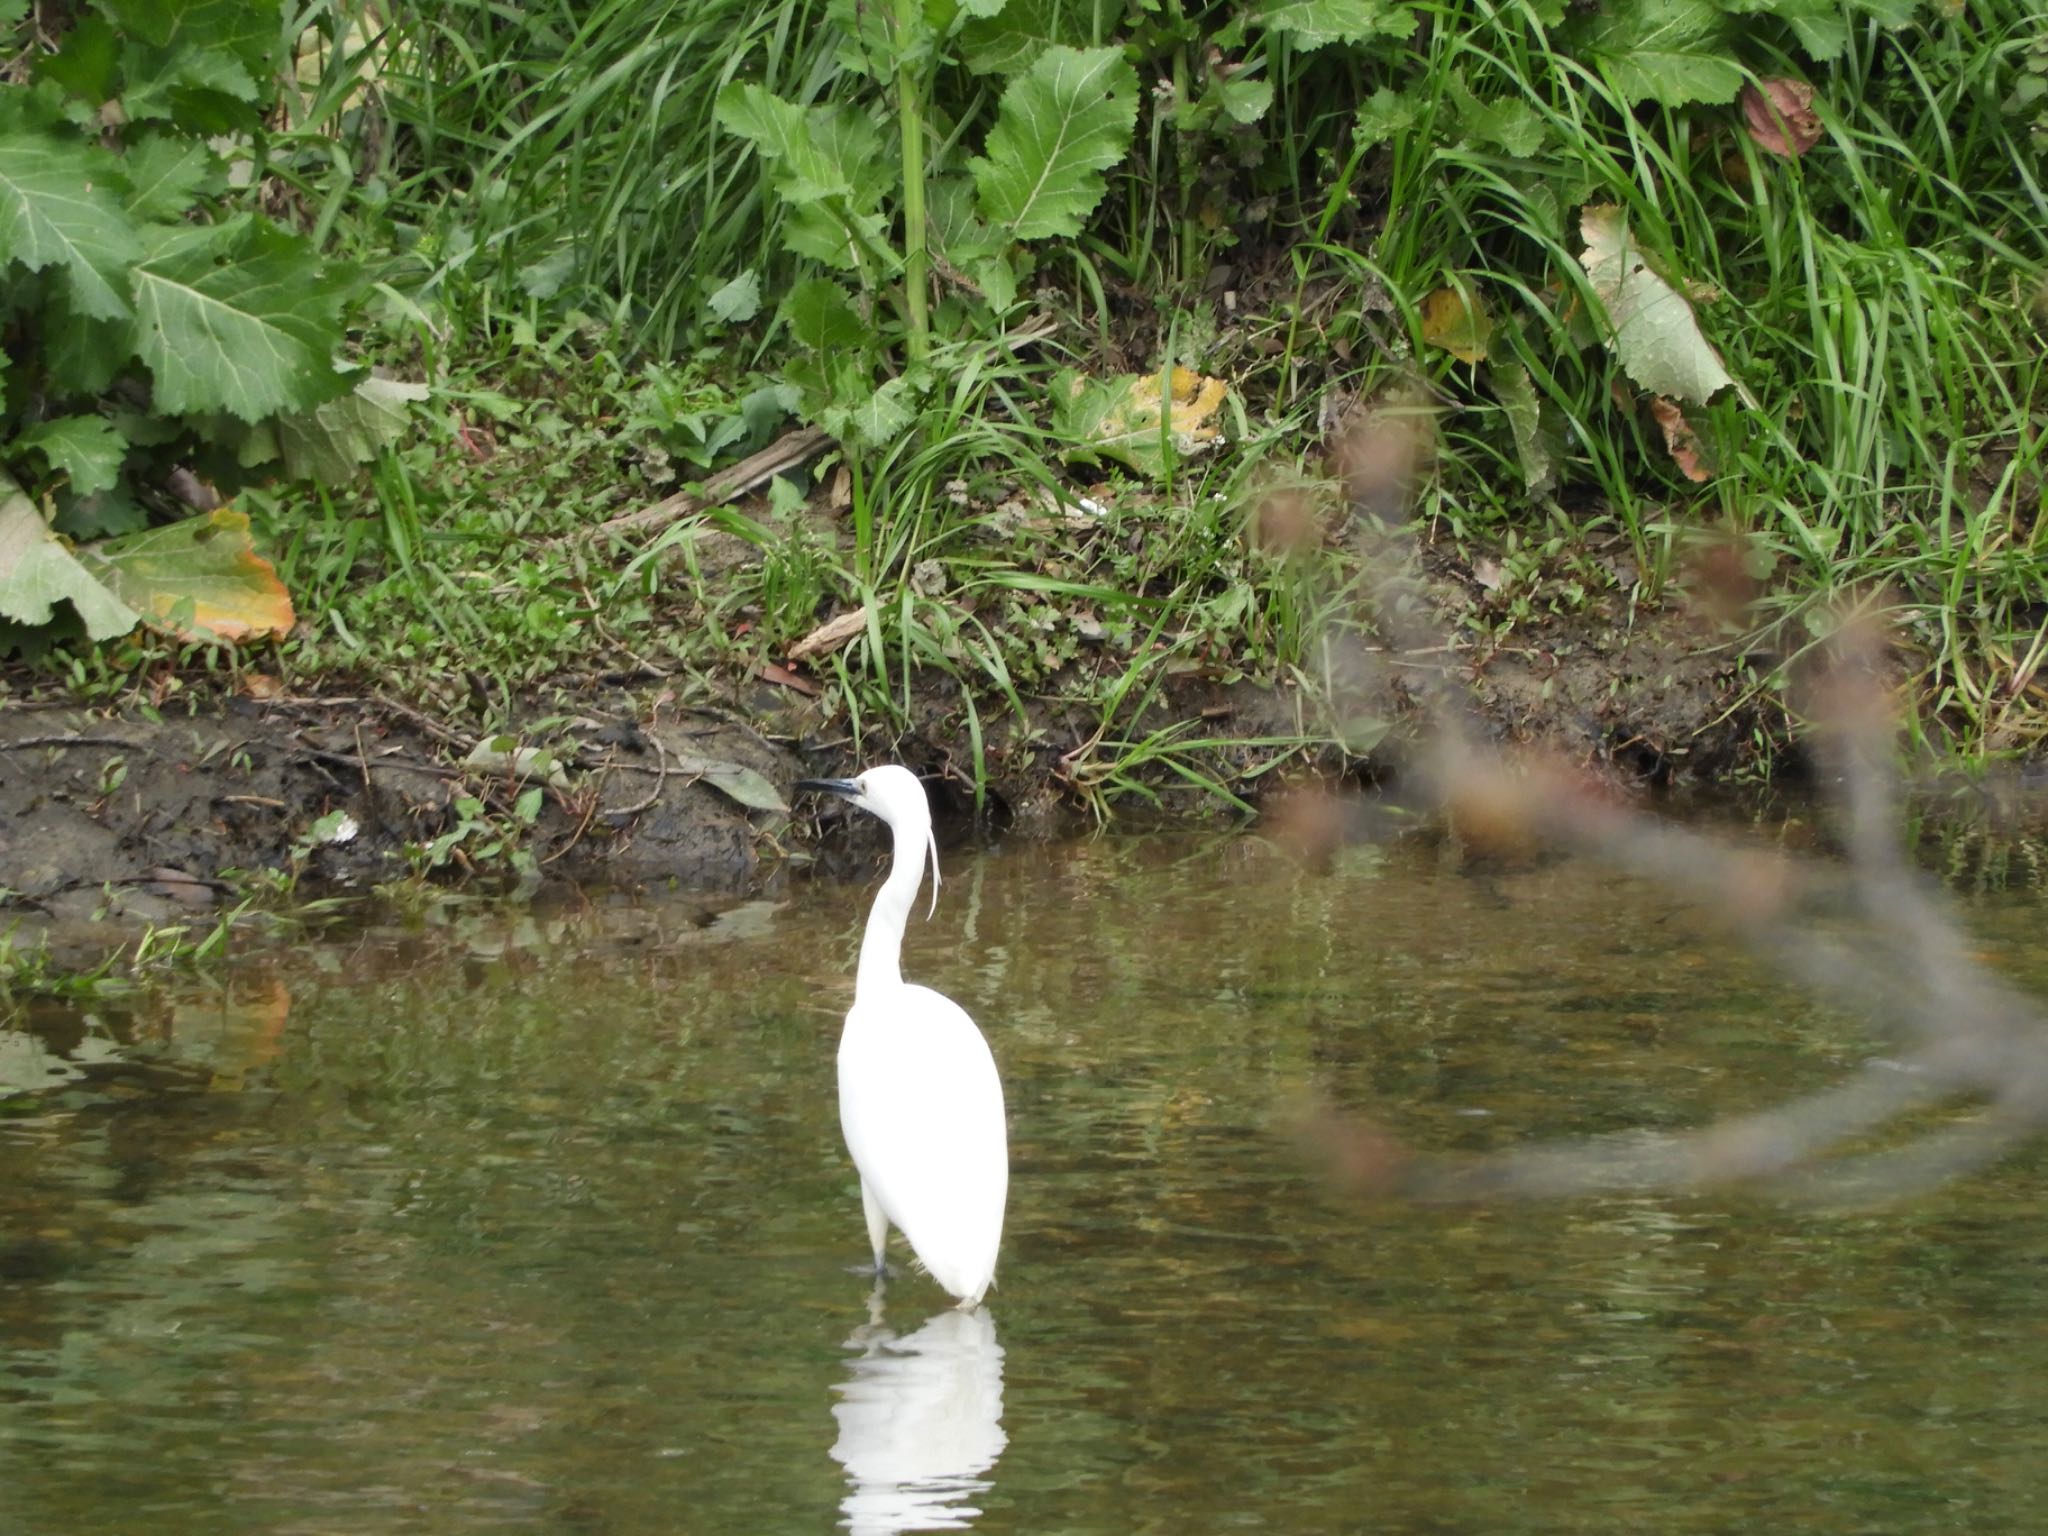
<point>910,116</point>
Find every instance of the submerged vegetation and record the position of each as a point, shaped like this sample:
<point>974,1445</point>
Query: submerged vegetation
<point>1086,301</point>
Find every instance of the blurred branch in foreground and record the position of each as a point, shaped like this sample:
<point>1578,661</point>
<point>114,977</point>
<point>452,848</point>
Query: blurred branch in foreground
<point>1867,933</point>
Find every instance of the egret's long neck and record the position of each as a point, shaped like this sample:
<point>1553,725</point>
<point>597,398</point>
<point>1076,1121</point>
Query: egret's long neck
<point>881,952</point>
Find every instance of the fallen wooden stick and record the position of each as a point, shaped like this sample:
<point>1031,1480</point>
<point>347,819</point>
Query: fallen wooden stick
<point>786,452</point>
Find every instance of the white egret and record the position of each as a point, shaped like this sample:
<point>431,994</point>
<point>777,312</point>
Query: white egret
<point>920,1102</point>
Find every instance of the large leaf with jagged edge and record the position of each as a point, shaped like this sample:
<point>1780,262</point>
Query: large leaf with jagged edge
<point>164,175</point>
<point>85,449</point>
<point>246,320</point>
<point>58,210</point>
<point>200,579</point>
<point>1006,43</point>
<point>805,169</point>
<point>1670,51</point>
<point>1312,24</point>
<point>37,572</point>
<point>329,442</point>
<point>1652,328</point>
<point>226,46</point>
<point>1059,126</point>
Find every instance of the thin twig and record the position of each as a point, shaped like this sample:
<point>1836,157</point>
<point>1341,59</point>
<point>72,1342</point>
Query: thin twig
<point>425,722</point>
<point>786,452</point>
<point>660,772</point>
<point>78,741</point>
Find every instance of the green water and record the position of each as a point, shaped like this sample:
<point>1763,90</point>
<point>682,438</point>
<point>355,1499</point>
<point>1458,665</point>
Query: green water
<point>541,1222</point>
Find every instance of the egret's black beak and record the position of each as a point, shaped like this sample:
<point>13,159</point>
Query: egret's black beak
<point>845,789</point>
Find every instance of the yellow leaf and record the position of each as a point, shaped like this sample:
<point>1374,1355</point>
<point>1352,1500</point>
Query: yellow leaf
<point>200,579</point>
<point>1122,416</point>
<point>1457,322</point>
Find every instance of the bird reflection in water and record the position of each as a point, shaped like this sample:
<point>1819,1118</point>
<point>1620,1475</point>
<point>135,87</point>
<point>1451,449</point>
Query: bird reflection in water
<point>920,1422</point>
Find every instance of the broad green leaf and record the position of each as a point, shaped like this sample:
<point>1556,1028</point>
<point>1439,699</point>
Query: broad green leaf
<point>820,232</point>
<point>953,226</point>
<point>997,280</point>
<point>851,142</point>
<point>245,28</point>
<point>1385,115</point>
<point>737,301</point>
<point>87,63</point>
<point>83,355</point>
<point>821,318</point>
<point>328,443</point>
<point>195,88</point>
<point>1650,325</point>
<point>37,572</point>
<point>97,516</point>
<point>1059,125</point>
<point>735,781</point>
<point>86,449</point>
<point>57,210</point>
<point>1670,51</point>
<point>250,328</point>
<point>1008,43</point>
<point>200,579</point>
<point>1507,121</point>
<point>962,240</point>
<point>1244,101</point>
<point>1514,125</point>
<point>210,45</point>
<point>1518,402</point>
<point>164,175</point>
<point>830,169</point>
<point>781,131</point>
<point>1821,26</point>
<point>882,417</point>
<point>546,275</point>
<point>876,43</point>
<point>1312,24</point>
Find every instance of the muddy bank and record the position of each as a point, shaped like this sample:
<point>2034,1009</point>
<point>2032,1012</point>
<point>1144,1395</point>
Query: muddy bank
<point>126,815</point>
<point>121,813</point>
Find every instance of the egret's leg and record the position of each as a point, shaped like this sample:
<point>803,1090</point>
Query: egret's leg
<point>878,1227</point>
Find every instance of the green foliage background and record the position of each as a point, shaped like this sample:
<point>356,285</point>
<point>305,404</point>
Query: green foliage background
<point>905,220</point>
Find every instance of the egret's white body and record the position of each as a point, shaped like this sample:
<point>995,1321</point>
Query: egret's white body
<point>920,1102</point>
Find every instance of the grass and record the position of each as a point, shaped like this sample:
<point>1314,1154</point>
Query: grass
<point>549,209</point>
<point>469,582</point>
<point>571,155</point>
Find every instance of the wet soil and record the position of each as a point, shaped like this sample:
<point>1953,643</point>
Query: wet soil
<point>129,813</point>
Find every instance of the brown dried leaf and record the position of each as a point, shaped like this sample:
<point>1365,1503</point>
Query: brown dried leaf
<point>772,673</point>
<point>1686,450</point>
<point>1780,117</point>
<point>831,634</point>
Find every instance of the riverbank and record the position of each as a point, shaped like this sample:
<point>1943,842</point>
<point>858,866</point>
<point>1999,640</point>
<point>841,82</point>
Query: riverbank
<point>231,787</point>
